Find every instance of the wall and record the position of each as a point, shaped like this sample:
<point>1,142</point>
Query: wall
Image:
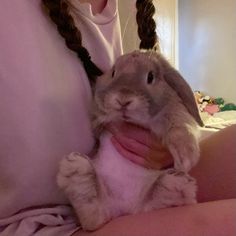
<point>167,28</point>
<point>207,46</point>
<point>127,12</point>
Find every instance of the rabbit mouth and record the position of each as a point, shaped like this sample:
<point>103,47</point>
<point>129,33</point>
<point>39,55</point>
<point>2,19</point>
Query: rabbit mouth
<point>126,117</point>
<point>123,114</point>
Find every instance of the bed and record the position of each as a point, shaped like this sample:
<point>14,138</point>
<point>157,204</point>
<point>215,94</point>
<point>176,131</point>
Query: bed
<point>216,122</point>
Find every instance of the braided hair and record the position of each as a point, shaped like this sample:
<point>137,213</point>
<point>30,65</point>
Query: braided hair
<point>58,11</point>
<point>146,25</point>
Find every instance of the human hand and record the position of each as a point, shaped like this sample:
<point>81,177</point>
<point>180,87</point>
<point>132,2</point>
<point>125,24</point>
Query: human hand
<point>140,146</point>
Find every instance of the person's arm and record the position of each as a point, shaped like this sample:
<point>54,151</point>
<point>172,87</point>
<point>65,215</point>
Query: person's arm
<point>216,170</point>
<point>205,219</point>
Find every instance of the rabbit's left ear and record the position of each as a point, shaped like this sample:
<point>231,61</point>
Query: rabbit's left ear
<point>184,91</point>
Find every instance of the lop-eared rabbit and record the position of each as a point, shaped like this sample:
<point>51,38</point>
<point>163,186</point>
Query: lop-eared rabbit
<point>144,89</point>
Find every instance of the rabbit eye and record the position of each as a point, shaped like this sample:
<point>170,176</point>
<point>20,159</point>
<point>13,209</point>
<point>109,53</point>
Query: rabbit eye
<point>150,78</point>
<point>113,73</point>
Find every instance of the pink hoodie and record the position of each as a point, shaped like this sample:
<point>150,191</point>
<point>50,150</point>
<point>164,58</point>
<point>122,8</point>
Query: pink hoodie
<point>44,99</point>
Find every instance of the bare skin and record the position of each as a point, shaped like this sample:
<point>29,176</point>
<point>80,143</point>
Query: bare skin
<point>216,171</point>
<point>140,146</point>
<point>199,220</point>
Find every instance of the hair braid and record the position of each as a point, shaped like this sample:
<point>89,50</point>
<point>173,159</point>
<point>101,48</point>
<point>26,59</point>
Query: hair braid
<point>59,14</point>
<point>146,25</point>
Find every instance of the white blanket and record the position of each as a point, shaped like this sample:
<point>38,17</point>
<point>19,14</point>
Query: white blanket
<point>51,221</point>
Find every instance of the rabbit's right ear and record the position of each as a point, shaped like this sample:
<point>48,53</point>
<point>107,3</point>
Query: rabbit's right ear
<point>184,91</point>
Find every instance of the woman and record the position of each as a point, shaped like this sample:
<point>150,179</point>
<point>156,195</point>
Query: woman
<point>45,94</point>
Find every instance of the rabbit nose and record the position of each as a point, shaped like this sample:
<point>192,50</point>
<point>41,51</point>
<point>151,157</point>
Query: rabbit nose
<point>123,103</point>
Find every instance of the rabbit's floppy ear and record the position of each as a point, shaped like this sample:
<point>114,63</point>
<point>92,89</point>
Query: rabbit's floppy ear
<point>184,91</point>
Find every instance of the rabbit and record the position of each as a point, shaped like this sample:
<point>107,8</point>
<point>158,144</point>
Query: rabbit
<point>144,89</point>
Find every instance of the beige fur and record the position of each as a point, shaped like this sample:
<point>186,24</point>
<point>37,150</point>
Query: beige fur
<point>141,88</point>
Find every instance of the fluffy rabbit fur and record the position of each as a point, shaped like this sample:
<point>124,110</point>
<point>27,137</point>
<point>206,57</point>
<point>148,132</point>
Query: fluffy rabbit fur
<point>141,88</point>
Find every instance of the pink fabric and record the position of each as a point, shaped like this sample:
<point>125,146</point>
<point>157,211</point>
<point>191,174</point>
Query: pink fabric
<point>44,100</point>
<point>211,108</point>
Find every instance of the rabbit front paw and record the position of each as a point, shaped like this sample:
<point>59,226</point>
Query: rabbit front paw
<point>177,188</point>
<point>75,173</point>
<point>184,148</point>
<point>185,156</point>
<point>77,178</point>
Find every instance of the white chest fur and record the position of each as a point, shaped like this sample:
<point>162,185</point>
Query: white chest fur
<point>127,183</point>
